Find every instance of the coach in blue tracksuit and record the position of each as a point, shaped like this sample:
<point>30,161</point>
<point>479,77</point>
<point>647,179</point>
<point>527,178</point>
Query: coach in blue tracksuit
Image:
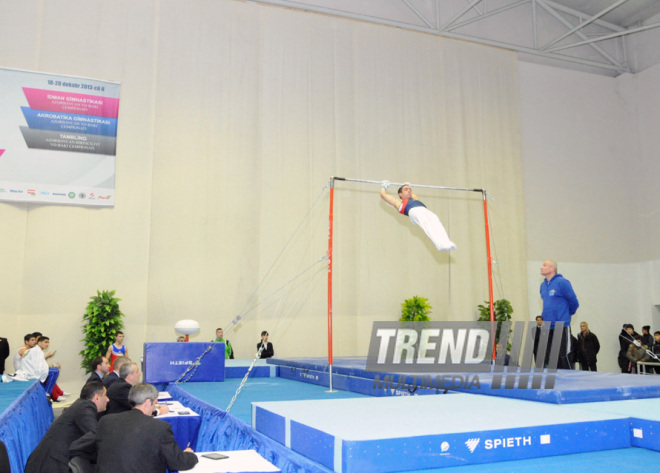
<point>559,305</point>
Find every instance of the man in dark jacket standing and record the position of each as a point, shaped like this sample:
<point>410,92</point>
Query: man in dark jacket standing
<point>626,336</point>
<point>52,453</point>
<point>587,348</point>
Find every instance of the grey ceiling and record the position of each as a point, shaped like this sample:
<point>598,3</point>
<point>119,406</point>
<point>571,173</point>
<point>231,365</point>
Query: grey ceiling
<point>608,37</point>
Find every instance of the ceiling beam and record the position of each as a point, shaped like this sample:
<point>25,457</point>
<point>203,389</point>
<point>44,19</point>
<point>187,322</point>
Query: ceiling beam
<point>418,13</point>
<point>607,36</point>
<point>545,5</point>
<point>610,66</point>
<point>583,24</point>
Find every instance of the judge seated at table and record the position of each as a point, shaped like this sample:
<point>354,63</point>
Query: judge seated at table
<point>135,442</point>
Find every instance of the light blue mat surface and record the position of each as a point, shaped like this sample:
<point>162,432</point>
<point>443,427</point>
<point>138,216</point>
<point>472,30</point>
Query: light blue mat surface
<point>259,389</point>
<point>274,389</point>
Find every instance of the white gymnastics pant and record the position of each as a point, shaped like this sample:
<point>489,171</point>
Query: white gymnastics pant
<point>432,226</point>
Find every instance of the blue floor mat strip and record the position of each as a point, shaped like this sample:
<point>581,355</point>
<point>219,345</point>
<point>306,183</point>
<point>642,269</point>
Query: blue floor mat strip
<point>569,386</point>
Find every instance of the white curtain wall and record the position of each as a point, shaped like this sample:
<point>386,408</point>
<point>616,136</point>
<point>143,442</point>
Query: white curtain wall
<point>233,117</point>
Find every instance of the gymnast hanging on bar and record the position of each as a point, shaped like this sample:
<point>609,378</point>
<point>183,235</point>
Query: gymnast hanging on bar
<point>408,204</point>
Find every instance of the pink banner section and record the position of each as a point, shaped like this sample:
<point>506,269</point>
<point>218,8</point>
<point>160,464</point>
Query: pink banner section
<point>55,101</point>
<point>1,152</point>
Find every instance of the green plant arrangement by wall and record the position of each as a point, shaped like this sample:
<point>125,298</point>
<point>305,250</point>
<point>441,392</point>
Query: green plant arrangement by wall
<point>415,309</point>
<point>502,311</point>
<point>101,322</point>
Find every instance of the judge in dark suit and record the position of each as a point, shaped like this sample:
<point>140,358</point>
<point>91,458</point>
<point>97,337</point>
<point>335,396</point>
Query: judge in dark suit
<point>129,375</point>
<point>100,369</point>
<point>134,442</point>
<point>52,453</point>
<point>116,366</point>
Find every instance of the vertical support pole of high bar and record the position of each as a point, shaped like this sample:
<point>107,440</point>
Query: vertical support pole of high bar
<point>330,232</point>
<point>490,268</point>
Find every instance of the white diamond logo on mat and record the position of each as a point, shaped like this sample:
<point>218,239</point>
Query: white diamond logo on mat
<point>472,444</point>
<point>545,439</point>
<point>444,446</point>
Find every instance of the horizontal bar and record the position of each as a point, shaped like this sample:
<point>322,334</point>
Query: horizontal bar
<point>367,181</point>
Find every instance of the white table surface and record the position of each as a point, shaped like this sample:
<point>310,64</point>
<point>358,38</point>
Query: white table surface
<point>238,461</point>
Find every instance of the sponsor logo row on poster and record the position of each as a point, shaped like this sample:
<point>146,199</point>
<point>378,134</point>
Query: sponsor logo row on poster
<point>67,195</point>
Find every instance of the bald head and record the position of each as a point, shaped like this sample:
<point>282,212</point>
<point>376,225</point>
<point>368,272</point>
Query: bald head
<point>549,269</point>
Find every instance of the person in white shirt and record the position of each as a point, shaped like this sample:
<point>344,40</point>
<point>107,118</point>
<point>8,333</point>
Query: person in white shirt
<point>30,341</point>
<point>33,364</point>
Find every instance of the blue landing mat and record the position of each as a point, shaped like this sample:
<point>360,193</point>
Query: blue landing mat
<point>412,433</point>
<point>612,461</point>
<point>570,386</point>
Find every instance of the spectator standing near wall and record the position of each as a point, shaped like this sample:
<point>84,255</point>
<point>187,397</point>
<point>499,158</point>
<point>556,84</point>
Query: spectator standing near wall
<point>587,348</point>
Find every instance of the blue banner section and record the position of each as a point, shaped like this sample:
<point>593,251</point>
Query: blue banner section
<point>167,362</point>
<point>70,122</point>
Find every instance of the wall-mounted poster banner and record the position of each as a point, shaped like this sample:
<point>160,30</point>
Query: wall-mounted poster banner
<point>58,138</point>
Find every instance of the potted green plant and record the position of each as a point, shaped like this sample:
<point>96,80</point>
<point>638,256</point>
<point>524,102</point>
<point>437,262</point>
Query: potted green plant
<point>415,309</point>
<point>101,322</point>
<point>502,311</point>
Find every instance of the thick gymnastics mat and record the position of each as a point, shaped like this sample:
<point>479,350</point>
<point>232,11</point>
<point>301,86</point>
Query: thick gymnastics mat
<point>417,432</point>
<point>569,386</point>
